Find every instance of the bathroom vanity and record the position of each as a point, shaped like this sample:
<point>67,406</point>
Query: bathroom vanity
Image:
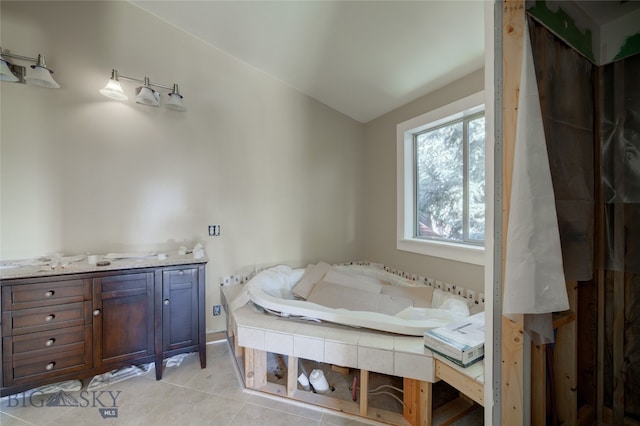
<point>83,320</point>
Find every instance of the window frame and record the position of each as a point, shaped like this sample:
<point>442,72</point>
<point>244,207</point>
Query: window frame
<point>406,185</point>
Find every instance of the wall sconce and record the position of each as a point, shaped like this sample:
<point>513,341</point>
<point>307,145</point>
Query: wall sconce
<point>39,75</point>
<point>145,94</point>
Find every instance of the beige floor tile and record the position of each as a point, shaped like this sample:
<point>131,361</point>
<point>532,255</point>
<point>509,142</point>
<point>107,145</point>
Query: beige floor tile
<point>285,406</point>
<point>220,380</point>
<point>333,419</point>
<point>7,420</point>
<point>140,398</point>
<point>32,409</point>
<point>190,407</point>
<point>252,414</point>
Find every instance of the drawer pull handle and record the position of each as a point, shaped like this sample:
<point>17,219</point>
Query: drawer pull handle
<point>49,317</point>
<point>49,293</point>
<point>50,366</point>
<point>49,342</point>
<point>96,312</point>
<point>166,302</point>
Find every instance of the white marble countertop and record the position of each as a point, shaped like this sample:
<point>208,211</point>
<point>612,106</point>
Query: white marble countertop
<point>41,267</point>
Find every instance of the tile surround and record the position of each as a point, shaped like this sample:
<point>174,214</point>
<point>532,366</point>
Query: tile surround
<point>340,354</point>
<point>308,348</point>
<point>334,344</point>
<point>281,343</point>
<point>378,360</point>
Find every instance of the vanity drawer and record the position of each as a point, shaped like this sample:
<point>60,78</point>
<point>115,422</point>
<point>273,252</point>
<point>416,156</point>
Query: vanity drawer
<point>47,318</point>
<point>181,276</point>
<point>45,294</point>
<point>38,344</point>
<point>51,365</point>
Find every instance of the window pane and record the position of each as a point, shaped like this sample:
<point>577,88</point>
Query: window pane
<point>439,187</point>
<point>476,179</point>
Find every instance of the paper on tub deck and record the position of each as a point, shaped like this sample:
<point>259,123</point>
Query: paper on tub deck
<point>312,275</point>
<point>337,296</point>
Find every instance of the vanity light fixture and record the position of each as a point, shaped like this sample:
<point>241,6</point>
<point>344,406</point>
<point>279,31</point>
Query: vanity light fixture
<point>113,89</point>
<point>175,100</point>
<point>39,75</point>
<point>145,94</point>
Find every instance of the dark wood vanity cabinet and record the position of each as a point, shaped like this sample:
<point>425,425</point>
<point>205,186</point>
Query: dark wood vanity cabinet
<point>64,327</point>
<point>182,305</point>
<point>123,319</point>
<point>46,330</point>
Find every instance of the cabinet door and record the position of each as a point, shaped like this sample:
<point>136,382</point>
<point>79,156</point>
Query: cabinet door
<point>123,321</point>
<point>179,308</point>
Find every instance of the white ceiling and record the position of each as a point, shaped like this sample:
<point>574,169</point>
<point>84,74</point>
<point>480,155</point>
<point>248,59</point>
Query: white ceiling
<point>362,58</point>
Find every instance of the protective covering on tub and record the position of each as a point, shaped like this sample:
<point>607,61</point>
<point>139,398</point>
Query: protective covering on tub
<point>272,289</point>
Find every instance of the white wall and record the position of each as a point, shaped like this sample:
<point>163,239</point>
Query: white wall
<point>379,222</point>
<point>279,171</point>
<point>289,179</point>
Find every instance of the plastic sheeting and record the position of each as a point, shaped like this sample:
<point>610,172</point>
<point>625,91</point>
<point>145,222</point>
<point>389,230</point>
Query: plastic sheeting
<point>565,84</point>
<point>620,158</point>
<point>534,277</point>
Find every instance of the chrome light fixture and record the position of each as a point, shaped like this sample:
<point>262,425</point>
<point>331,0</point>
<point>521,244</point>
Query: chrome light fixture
<point>175,100</point>
<point>113,89</point>
<point>39,75</point>
<point>5,71</point>
<point>145,94</point>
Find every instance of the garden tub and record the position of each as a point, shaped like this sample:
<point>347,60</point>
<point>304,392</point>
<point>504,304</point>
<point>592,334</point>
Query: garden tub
<point>353,295</point>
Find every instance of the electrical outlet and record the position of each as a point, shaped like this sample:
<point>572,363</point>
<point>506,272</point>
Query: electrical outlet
<point>214,230</point>
<point>217,310</point>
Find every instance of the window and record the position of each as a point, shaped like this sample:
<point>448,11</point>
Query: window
<point>441,182</point>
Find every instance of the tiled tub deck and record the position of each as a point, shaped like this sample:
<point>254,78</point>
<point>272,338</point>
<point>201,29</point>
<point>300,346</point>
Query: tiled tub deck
<point>254,334</point>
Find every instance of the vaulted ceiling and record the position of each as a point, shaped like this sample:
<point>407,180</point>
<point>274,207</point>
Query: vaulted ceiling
<point>362,58</point>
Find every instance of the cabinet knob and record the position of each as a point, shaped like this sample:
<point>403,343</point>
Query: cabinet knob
<point>181,272</point>
<point>50,366</point>
<point>166,301</point>
<point>49,293</point>
<point>96,312</point>
<point>49,317</point>
<point>50,342</point>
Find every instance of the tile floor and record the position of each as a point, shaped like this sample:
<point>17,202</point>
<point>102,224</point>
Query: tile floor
<point>186,395</point>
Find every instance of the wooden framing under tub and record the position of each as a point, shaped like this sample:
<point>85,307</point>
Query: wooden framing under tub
<point>253,335</point>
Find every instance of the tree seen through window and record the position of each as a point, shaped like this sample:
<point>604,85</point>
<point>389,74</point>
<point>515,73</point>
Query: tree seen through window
<point>449,173</point>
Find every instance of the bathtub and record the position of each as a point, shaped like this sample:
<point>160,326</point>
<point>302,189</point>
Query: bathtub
<point>278,291</point>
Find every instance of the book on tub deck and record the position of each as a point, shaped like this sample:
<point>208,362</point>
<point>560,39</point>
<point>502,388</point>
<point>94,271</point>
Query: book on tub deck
<point>462,342</point>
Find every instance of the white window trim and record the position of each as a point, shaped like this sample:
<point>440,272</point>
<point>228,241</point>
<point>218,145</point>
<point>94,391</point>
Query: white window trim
<point>405,190</point>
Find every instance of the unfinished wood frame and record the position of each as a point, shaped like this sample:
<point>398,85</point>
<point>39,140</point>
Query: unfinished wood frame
<point>417,396</point>
<point>564,368</point>
<point>512,350</point>
<point>255,372</point>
